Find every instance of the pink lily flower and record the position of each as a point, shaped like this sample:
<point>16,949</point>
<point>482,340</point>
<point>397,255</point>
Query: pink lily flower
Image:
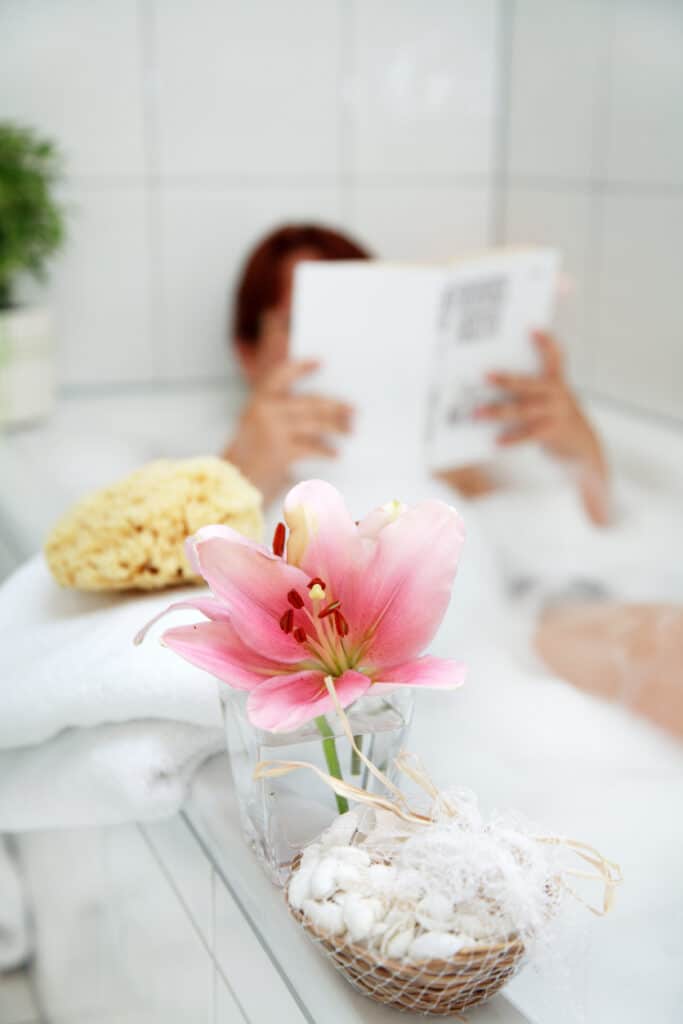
<point>355,601</point>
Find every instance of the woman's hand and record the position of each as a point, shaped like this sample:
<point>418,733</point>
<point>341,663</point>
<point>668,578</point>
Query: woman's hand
<point>277,427</point>
<point>543,408</point>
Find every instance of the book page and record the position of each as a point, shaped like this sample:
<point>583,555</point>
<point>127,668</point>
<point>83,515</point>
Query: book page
<point>486,314</point>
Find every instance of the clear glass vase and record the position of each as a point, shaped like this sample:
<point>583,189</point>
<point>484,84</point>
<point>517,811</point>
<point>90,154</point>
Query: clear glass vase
<point>281,815</point>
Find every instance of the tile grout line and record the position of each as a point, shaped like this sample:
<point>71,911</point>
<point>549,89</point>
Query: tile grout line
<point>458,179</point>
<point>345,82</point>
<point>501,139</point>
<point>594,243</point>
<point>263,942</point>
<point>155,312</point>
<point>190,916</point>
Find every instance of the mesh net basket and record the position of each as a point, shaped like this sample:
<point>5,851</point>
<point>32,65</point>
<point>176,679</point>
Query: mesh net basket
<point>439,987</point>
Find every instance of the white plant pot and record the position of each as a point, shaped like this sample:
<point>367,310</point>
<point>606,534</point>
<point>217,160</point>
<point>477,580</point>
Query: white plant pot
<point>27,387</point>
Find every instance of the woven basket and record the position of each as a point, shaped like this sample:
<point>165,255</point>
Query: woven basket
<point>439,987</point>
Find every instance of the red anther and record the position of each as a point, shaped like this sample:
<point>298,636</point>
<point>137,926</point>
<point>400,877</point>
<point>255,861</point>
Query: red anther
<point>328,609</point>
<point>341,624</point>
<point>295,599</point>
<point>279,539</point>
<point>316,580</point>
<point>287,621</point>
<point>299,635</point>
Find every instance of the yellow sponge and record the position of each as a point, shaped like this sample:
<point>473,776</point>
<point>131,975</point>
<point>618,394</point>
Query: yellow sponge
<point>131,535</point>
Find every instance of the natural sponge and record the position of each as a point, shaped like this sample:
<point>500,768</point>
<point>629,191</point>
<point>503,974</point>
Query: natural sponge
<point>131,535</point>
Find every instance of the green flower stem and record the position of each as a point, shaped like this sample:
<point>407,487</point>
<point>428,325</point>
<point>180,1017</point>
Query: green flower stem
<point>355,759</point>
<point>330,751</point>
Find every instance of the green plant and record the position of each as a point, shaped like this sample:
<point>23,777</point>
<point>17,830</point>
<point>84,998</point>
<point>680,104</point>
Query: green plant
<point>31,222</point>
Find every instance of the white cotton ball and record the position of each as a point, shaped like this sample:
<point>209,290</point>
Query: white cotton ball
<point>398,944</point>
<point>400,919</point>
<point>324,878</point>
<point>382,877</point>
<point>470,924</point>
<point>434,911</point>
<point>409,885</point>
<point>435,946</point>
<point>311,854</point>
<point>348,876</point>
<point>353,855</point>
<point>360,914</point>
<point>327,917</point>
<point>300,885</point>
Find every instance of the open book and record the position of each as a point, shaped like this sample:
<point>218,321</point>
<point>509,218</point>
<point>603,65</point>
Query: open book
<point>410,347</point>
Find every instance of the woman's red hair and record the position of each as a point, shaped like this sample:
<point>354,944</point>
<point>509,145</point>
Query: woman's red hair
<point>260,285</point>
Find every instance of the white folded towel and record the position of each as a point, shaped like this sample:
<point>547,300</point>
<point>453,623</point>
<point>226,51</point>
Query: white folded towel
<point>94,730</point>
<point>67,659</point>
<point>135,771</point>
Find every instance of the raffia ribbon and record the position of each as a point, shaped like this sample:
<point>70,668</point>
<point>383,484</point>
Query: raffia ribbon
<point>605,871</point>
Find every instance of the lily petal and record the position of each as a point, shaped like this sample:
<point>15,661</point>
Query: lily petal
<point>407,585</point>
<point>323,539</point>
<point>434,673</point>
<point>286,702</point>
<point>374,522</point>
<point>254,585</point>
<point>217,648</point>
<point>206,605</point>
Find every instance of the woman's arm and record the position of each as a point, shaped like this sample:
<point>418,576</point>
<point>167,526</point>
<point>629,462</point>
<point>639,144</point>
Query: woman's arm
<point>543,408</point>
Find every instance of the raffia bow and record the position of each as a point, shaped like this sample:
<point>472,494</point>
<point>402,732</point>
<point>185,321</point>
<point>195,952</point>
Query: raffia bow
<point>605,871</point>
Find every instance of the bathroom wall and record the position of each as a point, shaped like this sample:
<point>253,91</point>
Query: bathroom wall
<point>427,127</point>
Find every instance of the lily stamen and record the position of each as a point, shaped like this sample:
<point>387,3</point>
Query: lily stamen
<point>295,599</point>
<point>299,635</point>
<point>279,540</point>
<point>341,624</point>
<point>287,621</point>
<point>329,609</point>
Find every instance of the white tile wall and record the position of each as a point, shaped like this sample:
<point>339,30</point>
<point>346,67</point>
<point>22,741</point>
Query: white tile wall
<point>421,91</point>
<point>206,233</point>
<point>248,88</point>
<point>73,68</point>
<point>100,287</point>
<point>645,127</point>
<point>639,321</point>
<point>429,129</point>
<point>557,67</point>
<point>411,222</point>
<point>562,217</point>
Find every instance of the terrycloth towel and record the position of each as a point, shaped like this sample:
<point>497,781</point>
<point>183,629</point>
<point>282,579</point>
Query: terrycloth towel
<point>92,729</point>
<point>104,775</point>
<point>67,659</point>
